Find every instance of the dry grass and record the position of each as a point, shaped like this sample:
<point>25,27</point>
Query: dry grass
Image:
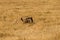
<point>45,13</point>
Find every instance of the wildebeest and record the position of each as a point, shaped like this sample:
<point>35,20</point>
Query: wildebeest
<point>27,19</point>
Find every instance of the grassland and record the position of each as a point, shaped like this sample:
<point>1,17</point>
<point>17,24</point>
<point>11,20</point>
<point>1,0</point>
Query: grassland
<point>45,13</point>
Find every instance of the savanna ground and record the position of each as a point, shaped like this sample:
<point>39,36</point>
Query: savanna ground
<point>45,13</point>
